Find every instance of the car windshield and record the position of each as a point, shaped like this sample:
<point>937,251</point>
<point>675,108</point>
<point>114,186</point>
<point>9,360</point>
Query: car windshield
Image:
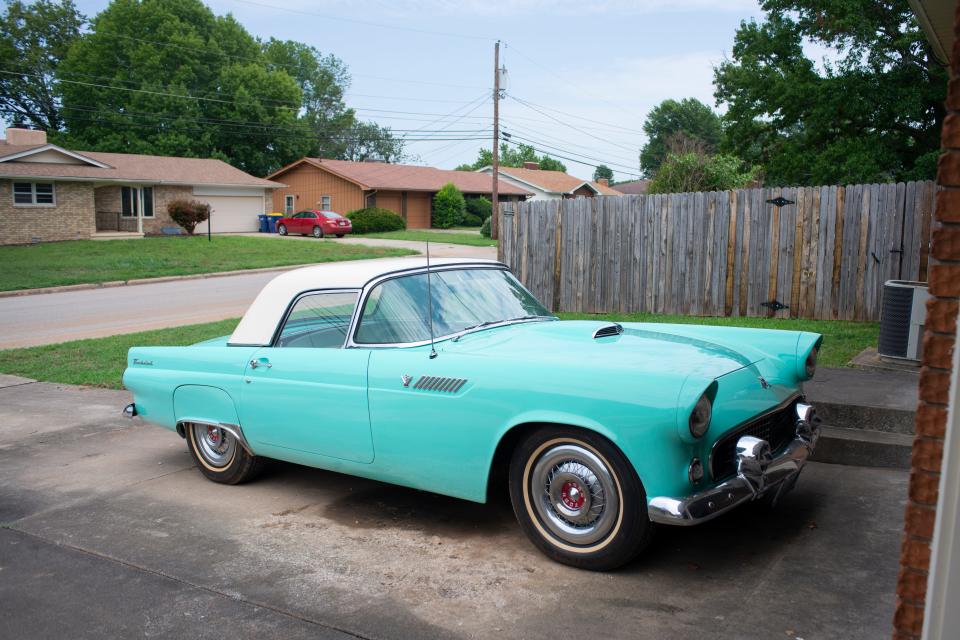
<point>395,312</point>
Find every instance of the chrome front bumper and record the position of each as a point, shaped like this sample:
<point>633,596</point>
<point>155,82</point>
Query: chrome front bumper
<point>758,473</point>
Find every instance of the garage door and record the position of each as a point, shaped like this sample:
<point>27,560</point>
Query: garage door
<point>231,214</point>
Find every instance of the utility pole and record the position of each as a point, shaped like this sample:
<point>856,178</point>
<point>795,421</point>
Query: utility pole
<point>495,199</point>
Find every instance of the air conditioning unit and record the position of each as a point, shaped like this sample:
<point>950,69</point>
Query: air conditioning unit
<point>902,317</point>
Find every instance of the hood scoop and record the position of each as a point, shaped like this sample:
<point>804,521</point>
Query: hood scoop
<point>608,331</point>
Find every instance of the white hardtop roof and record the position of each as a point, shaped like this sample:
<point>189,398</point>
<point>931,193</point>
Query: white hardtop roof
<point>260,321</point>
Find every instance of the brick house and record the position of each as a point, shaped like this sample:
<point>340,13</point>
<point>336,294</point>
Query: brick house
<point>49,193</point>
<point>551,185</point>
<point>343,186</point>
<point>928,586</point>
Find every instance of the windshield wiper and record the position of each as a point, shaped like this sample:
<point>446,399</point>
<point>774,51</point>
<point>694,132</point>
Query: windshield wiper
<point>489,323</point>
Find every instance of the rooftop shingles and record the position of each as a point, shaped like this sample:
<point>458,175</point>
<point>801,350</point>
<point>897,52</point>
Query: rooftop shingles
<point>555,181</point>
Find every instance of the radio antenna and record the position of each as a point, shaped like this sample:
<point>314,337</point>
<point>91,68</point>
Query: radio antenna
<point>433,352</point>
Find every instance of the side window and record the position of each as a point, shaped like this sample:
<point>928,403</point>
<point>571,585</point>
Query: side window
<point>318,321</point>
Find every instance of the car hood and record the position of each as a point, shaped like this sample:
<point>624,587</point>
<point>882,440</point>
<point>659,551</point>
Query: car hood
<point>655,348</point>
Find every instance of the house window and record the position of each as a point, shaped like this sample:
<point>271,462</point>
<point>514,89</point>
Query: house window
<point>289,202</point>
<point>325,203</point>
<point>130,202</point>
<point>33,194</point>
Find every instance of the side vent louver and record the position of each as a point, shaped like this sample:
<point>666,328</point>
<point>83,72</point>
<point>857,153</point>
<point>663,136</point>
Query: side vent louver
<point>447,385</point>
<point>607,331</point>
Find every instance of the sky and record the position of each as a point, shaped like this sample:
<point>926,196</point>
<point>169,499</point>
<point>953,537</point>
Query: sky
<point>581,77</point>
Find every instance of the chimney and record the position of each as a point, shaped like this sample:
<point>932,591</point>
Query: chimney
<point>531,165</point>
<point>25,137</point>
<point>604,182</point>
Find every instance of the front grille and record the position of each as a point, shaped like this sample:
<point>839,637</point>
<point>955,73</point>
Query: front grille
<point>777,428</point>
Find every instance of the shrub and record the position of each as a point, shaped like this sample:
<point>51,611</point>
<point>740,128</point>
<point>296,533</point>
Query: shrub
<point>485,229</point>
<point>698,171</point>
<point>375,219</point>
<point>188,213</point>
<point>470,220</point>
<point>448,207</point>
<point>479,207</point>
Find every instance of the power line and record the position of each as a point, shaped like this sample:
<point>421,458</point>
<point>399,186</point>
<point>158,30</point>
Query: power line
<point>543,144</point>
<point>579,145</point>
<point>564,113</point>
<point>586,164</point>
<point>567,124</point>
<point>443,34</point>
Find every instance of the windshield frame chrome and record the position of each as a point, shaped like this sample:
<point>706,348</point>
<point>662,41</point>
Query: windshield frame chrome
<point>369,286</point>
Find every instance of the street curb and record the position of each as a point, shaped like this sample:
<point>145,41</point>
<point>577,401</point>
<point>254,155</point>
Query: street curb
<point>125,283</point>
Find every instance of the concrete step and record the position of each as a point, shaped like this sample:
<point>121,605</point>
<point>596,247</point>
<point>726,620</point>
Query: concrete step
<point>872,400</point>
<point>864,448</point>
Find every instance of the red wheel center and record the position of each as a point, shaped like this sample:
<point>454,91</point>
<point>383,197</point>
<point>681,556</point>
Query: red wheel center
<point>572,495</point>
<point>213,434</point>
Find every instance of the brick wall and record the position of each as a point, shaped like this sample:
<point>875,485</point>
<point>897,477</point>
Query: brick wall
<point>71,219</point>
<point>938,345</point>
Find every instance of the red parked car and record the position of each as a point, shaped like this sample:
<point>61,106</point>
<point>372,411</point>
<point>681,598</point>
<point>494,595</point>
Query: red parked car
<point>316,223</point>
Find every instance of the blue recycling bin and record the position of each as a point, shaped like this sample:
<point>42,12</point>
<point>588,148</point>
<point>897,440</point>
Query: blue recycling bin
<point>264,224</point>
<point>272,220</point>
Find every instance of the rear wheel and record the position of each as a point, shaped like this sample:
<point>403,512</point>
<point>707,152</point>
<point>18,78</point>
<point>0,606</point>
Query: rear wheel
<point>578,499</point>
<point>219,456</point>
<point>340,235</point>
<point>282,229</point>
<point>317,232</point>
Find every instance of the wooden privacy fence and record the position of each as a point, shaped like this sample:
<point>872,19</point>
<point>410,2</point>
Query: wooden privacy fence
<point>825,254</point>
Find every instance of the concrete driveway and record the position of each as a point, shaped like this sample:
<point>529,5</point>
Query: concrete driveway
<point>71,315</point>
<point>110,532</point>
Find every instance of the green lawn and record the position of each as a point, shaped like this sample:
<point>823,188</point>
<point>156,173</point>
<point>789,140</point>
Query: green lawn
<point>100,362</point>
<point>841,340</point>
<point>416,235</point>
<point>81,261</point>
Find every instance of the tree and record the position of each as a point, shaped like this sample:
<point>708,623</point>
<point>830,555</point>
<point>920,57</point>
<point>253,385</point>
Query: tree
<point>514,157</point>
<point>34,39</point>
<point>603,171</point>
<point>871,113</point>
<point>448,207</point>
<point>671,119</point>
<point>698,171</point>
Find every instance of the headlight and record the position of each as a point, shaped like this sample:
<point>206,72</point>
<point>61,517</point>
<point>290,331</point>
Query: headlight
<point>810,366</point>
<point>700,416</point>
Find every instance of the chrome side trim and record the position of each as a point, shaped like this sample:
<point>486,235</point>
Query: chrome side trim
<point>757,474</point>
<point>232,429</point>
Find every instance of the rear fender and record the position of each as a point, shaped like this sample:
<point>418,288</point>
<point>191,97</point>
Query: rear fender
<point>207,405</point>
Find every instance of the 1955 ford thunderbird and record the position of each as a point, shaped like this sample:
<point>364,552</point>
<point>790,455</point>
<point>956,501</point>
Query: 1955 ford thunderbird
<point>601,431</point>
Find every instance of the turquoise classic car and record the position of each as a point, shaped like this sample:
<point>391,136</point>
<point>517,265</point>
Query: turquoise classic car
<point>455,379</point>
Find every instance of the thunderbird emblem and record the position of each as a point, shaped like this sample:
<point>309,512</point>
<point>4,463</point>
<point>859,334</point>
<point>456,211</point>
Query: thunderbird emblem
<point>763,383</point>
<point>406,380</point>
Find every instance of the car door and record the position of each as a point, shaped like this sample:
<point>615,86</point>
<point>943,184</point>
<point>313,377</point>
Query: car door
<point>297,220</point>
<point>306,392</point>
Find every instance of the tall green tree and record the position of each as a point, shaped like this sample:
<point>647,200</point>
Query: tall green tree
<point>34,38</point>
<point>603,171</point>
<point>170,77</point>
<point>872,112</point>
<point>514,157</point>
<point>673,122</point>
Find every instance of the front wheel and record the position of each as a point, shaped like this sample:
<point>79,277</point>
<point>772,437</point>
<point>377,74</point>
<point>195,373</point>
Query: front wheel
<point>282,229</point>
<point>317,232</point>
<point>219,456</point>
<point>578,499</point>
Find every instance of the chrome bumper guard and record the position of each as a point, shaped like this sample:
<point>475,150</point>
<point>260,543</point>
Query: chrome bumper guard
<point>130,411</point>
<point>758,473</point>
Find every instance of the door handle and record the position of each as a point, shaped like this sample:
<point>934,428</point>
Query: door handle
<point>259,363</point>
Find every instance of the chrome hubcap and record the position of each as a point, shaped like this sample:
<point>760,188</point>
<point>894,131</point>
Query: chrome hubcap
<point>214,444</point>
<point>575,494</point>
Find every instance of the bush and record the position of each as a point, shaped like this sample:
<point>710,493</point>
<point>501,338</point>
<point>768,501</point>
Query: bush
<point>448,207</point>
<point>375,219</point>
<point>470,220</point>
<point>188,213</point>
<point>480,208</point>
<point>698,171</point>
<point>485,229</point>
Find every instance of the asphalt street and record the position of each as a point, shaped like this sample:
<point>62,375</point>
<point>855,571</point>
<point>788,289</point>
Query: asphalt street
<point>108,531</point>
<point>93,313</point>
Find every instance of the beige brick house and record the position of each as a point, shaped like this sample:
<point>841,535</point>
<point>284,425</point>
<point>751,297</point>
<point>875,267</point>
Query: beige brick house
<point>49,193</point>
